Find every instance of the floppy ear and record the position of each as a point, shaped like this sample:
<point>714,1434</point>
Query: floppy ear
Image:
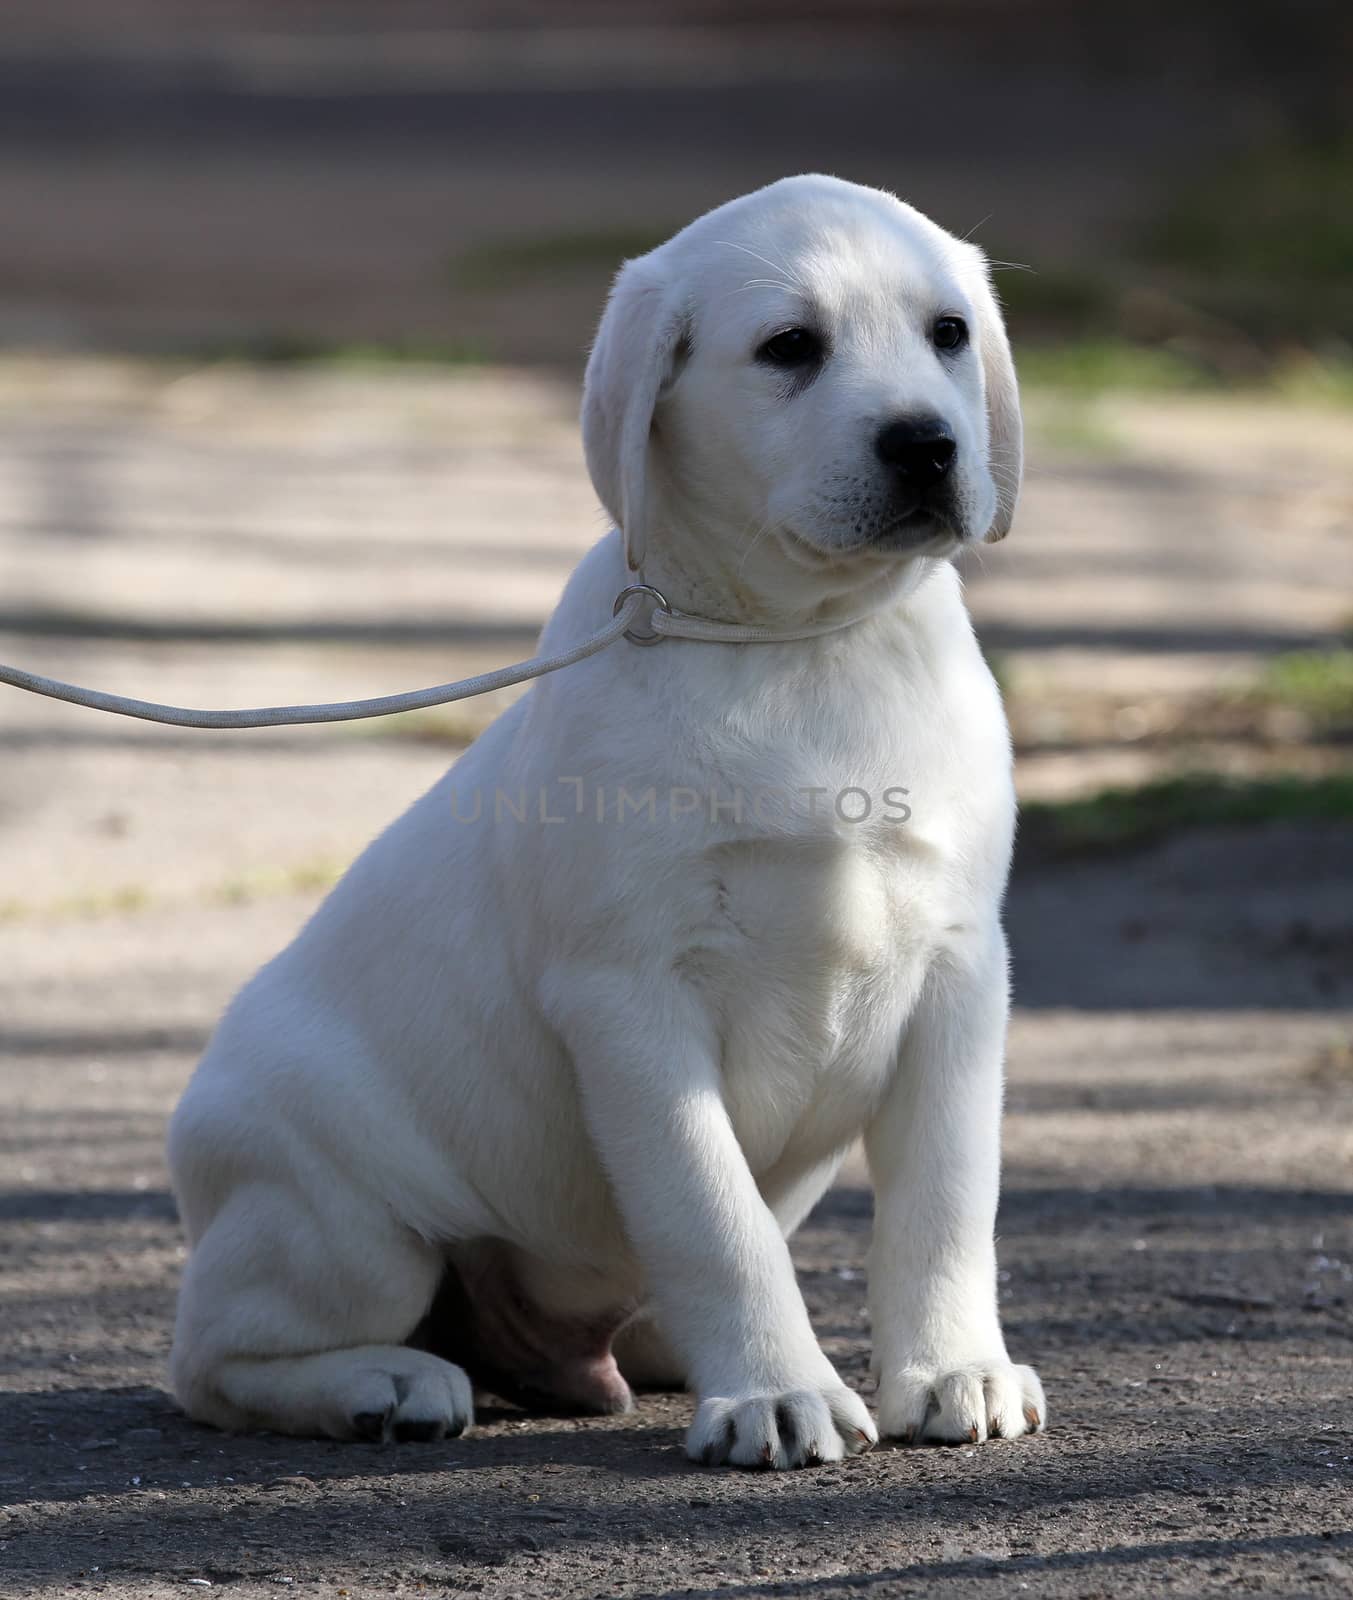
<point>633,358</point>
<point>1004,423</point>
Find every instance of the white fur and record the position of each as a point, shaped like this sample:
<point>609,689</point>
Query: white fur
<point>635,1051</point>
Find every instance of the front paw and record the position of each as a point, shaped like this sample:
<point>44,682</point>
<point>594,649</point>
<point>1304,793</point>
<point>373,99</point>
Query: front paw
<point>962,1405</point>
<point>792,1428</point>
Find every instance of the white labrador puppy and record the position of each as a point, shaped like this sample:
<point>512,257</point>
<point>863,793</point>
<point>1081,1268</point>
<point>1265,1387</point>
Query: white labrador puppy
<point>571,1050</point>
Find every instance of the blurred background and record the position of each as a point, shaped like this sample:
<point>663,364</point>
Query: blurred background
<point>283,179</point>
<point>295,298</point>
<point>294,301</point>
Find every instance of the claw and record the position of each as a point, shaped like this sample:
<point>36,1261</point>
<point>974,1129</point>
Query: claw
<point>1032,1417</point>
<point>372,1425</point>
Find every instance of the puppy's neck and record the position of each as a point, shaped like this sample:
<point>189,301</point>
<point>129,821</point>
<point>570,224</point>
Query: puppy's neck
<point>761,578</point>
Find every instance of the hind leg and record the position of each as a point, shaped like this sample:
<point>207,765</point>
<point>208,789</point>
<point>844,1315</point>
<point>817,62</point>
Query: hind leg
<point>373,1391</point>
<point>296,1324</point>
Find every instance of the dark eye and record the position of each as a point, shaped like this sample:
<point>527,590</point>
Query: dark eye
<point>795,347</point>
<point>950,333</point>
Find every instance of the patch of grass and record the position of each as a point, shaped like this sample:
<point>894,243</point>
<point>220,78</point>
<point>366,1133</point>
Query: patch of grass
<point>1318,683</point>
<point>1265,242</point>
<point>80,907</point>
<point>1244,277</point>
<point>1124,819</point>
<point>302,877</point>
<point>1309,380</point>
<point>508,263</point>
<point>452,725</point>
<point>1072,371</point>
<point>1068,305</point>
<point>1332,1065</point>
<point>106,903</point>
<point>1091,366</point>
<point>1279,214</point>
<point>1060,419</point>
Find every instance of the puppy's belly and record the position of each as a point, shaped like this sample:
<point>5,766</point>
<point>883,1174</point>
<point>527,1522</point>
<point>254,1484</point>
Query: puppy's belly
<point>524,1332</point>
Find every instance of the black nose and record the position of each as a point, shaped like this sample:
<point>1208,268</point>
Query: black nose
<point>919,449</point>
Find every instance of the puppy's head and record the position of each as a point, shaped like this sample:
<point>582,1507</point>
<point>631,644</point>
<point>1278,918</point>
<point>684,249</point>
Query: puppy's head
<point>817,370</point>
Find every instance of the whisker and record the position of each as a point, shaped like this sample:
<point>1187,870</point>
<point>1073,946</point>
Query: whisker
<point>774,266</point>
<point>764,283</point>
<point>753,542</point>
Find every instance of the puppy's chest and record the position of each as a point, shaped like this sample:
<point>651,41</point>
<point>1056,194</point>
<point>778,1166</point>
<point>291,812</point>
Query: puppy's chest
<point>815,929</point>
<point>815,918</point>
<point>822,895</point>
<point>811,953</point>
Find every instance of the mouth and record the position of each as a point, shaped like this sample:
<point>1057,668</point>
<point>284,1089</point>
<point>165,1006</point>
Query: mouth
<point>916,530</point>
<point>912,530</point>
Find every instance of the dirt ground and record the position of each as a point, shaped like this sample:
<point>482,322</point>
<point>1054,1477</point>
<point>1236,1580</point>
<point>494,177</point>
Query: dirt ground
<point>1177,1222</point>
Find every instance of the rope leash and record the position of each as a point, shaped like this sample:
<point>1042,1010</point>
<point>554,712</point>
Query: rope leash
<point>627,622</point>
